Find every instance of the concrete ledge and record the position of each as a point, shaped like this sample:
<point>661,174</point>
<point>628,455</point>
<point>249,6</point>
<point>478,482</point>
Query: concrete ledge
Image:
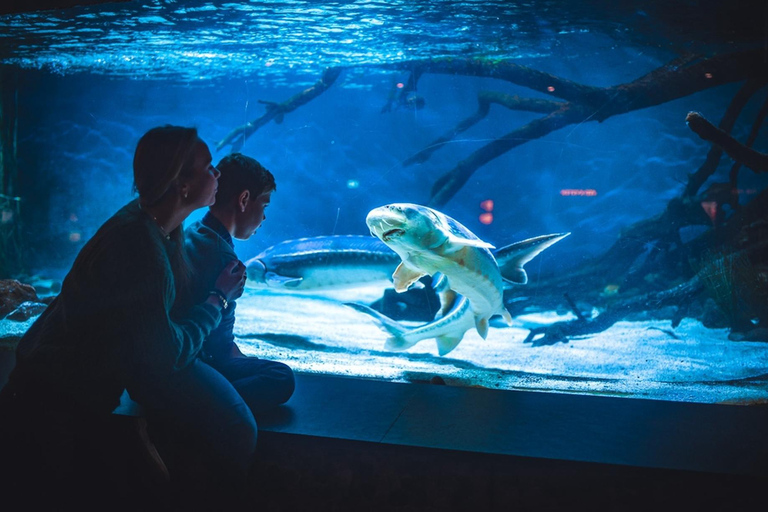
<point>718,439</point>
<point>354,444</point>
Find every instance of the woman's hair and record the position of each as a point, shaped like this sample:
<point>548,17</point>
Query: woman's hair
<point>163,155</point>
<point>240,172</point>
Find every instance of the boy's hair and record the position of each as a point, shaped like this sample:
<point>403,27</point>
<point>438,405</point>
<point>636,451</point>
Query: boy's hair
<point>240,172</point>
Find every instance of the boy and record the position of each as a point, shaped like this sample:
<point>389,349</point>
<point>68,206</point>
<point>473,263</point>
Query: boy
<point>244,191</point>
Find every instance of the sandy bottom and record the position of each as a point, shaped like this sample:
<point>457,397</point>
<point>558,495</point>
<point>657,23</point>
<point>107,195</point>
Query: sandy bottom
<point>318,334</point>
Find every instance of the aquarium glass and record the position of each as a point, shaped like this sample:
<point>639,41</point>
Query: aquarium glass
<point>513,119</point>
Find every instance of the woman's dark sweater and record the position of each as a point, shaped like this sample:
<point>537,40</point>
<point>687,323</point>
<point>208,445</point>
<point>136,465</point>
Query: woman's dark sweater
<point>111,326</point>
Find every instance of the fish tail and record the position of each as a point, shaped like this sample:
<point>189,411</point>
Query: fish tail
<point>397,340</point>
<point>397,343</point>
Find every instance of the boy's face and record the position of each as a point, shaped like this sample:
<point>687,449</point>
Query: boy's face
<point>253,216</point>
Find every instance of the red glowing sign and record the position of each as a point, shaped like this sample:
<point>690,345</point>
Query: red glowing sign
<point>486,218</point>
<point>586,192</point>
<point>487,205</point>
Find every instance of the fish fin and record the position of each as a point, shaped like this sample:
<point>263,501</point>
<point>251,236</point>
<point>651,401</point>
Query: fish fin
<point>471,242</point>
<point>481,324</point>
<point>398,344</point>
<point>385,323</point>
<point>277,281</point>
<point>446,343</point>
<point>439,282</point>
<point>506,316</point>
<point>447,301</point>
<point>404,277</point>
<point>511,258</point>
<point>515,275</point>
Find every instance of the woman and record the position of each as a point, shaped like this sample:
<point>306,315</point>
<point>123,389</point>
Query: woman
<point>116,325</point>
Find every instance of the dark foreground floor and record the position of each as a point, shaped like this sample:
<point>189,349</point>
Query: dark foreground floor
<point>356,445</point>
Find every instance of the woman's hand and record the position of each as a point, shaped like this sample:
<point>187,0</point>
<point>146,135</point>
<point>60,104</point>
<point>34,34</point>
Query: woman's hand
<point>231,281</point>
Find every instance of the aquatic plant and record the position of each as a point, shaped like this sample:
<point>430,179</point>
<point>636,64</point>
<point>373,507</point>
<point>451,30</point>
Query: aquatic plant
<point>737,288</point>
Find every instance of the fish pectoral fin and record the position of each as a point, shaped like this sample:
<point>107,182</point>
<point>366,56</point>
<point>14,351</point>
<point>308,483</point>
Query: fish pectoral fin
<point>470,242</point>
<point>507,317</point>
<point>404,277</point>
<point>277,281</point>
<point>446,343</point>
<point>447,301</point>
<point>481,324</point>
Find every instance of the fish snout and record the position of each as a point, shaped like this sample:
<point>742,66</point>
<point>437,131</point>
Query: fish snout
<point>255,271</point>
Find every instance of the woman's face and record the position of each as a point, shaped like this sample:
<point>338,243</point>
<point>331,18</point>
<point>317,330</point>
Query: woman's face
<point>204,181</point>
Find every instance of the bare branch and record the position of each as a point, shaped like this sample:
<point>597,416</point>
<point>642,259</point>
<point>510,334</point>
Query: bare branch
<point>236,138</point>
<point>597,104</point>
<point>484,100</point>
<point>755,160</point>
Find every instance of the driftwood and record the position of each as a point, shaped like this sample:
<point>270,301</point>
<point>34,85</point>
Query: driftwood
<point>677,79</point>
<point>755,160</point>
<point>485,99</point>
<point>236,138</point>
<point>582,326</point>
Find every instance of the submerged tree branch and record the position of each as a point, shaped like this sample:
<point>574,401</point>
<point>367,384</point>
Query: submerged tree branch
<point>236,138</point>
<point>560,331</point>
<point>591,103</point>
<point>708,168</point>
<point>759,120</point>
<point>755,160</point>
<point>484,100</point>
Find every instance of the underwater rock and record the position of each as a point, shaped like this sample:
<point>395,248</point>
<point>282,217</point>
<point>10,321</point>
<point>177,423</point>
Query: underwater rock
<point>13,293</point>
<point>26,310</point>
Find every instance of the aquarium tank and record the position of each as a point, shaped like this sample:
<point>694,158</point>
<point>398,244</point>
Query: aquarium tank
<point>574,194</point>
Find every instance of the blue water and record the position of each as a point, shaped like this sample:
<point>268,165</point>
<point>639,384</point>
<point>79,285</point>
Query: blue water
<point>92,80</point>
<point>95,78</point>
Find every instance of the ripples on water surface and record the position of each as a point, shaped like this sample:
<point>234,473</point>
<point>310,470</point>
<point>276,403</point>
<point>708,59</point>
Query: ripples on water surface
<point>206,40</point>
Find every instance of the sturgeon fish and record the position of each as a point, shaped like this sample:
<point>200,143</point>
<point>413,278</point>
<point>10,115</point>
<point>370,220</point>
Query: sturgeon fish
<point>325,262</point>
<point>455,319</point>
<point>429,242</point>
